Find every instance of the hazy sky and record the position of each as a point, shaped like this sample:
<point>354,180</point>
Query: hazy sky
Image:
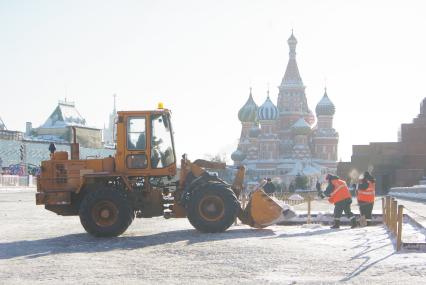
<point>200,57</point>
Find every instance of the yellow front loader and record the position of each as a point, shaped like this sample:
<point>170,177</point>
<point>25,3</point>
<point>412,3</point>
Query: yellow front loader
<point>140,181</point>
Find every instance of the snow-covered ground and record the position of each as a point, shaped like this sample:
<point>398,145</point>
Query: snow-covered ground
<point>38,247</point>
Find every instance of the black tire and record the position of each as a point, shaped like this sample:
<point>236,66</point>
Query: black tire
<point>106,213</point>
<point>213,208</point>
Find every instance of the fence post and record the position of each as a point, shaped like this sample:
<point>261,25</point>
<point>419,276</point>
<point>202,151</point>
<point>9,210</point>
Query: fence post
<point>388,203</point>
<point>391,214</point>
<point>309,210</point>
<point>399,233</point>
<point>394,211</point>
<point>383,211</point>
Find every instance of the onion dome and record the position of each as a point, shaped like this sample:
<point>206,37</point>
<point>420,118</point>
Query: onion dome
<point>292,41</point>
<point>325,107</point>
<point>268,111</point>
<point>301,127</point>
<point>238,155</point>
<point>254,132</point>
<point>248,113</point>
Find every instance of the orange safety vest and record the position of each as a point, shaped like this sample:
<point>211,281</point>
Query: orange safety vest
<point>367,195</point>
<point>340,192</point>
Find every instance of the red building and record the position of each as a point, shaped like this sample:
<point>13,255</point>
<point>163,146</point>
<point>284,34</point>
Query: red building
<point>401,163</point>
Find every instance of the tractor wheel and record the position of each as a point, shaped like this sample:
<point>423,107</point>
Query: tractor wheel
<point>106,213</point>
<point>213,208</point>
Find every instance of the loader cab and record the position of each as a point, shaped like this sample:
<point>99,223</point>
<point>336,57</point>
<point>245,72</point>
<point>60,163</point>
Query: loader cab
<point>145,145</point>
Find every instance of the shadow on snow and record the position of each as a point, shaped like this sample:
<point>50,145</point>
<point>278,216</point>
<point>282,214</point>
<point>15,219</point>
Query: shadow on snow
<point>84,243</point>
<point>368,245</point>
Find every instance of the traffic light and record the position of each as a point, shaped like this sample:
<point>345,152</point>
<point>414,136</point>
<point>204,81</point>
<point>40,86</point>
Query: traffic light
<point>21,152</point>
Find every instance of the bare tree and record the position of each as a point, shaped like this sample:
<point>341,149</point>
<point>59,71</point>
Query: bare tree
<point>219,157</point>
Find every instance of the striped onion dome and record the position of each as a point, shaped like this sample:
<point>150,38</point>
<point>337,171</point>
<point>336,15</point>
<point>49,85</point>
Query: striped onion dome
<point>325,107</point>
<point>301,127</point>
<point>248,113</point>
<point>268,111</point>
<point>238,155</point>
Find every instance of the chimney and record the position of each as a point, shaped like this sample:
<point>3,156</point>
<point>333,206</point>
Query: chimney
<point>28,128</point>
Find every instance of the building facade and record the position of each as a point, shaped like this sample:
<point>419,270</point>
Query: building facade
<point>5,134</point>
<point>401,163</point>
<point>286,139</point>
<point>32,146</point>
<point>58,127</point>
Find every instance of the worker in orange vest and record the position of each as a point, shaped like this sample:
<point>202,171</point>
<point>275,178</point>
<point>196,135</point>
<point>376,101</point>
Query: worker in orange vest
<point>340,196</point>
<point>366,195</point>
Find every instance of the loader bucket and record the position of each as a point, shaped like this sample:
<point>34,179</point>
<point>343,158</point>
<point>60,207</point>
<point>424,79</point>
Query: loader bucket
<point>262,211</point>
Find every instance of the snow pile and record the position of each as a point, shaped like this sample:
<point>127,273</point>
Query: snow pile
<point>19,189</point>
<point>296,197</point>
<point>412,233</point>
<point>416,192</point>
<point>311,226</point>
<point>412,196</point>
<point>413,189</point>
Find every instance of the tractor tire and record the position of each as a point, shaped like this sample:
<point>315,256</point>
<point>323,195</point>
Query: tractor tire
<point>213,208</point>
<point>106,213</point>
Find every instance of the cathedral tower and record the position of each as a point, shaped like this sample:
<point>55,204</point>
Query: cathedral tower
<point>267,114</point>
<point>292,102</point>
<point>283,138</point>
<point>325,138</point>
<point>248,118</point>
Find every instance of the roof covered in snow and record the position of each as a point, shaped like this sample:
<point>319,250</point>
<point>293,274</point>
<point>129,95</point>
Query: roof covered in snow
<point>64,115</point>
<point>304,168</point>
<point>301,123</point>
<point>2,125</point>
<point>301,127</point>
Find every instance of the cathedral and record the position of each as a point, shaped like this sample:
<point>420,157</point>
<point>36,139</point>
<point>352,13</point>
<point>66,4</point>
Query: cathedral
<point>286,139</point>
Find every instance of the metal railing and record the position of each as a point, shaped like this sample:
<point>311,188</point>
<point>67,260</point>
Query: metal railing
<point>16,181</point>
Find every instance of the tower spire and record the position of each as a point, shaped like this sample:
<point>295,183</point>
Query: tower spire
<point>292,76</point>
<point>115,109</point>
<point>267,92</point>
<point>292,42</point>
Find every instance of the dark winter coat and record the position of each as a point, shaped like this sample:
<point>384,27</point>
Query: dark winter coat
<point>269,187</point>
<point>330,186</point>
<point>318,186</point>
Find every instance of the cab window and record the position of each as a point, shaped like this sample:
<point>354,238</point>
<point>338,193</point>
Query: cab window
<point>162,153</point>
<point>136,133</point>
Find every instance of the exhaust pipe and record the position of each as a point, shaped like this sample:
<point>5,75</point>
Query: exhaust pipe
<point>75,147</point>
